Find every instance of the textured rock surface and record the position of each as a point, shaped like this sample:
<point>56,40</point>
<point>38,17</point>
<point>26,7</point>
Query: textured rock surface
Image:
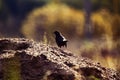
<point>23,59</point>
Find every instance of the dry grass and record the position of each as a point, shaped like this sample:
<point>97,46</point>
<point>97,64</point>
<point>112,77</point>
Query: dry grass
<point>104,51</point>
<point>106,29</point>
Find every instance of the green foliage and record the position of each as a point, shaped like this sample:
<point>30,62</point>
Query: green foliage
<point>92,77</point>
<point>66,19</point>
<point>78,4</point>
<point>0,5</point>
<point>11,69</point>
<point>53,17</point>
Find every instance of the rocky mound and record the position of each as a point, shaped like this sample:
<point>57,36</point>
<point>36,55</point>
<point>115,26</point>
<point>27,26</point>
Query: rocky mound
<point>23,59</point>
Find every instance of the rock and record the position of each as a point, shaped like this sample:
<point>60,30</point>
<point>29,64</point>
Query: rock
<point>23,59</point>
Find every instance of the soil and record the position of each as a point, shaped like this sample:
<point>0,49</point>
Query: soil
<point>24,59</point>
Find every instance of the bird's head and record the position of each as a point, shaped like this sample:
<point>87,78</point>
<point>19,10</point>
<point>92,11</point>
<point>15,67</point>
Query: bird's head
<point>56,33</point>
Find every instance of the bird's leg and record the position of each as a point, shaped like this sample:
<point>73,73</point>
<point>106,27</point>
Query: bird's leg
<point>66,45</point>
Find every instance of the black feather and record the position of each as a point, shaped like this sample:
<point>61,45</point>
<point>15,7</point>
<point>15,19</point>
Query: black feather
<point>60,39</point>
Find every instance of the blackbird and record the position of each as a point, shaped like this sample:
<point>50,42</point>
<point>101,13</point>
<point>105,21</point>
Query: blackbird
<point>60,39</point>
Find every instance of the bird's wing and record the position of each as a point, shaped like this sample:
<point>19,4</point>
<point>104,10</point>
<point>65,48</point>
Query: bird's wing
<point>63,38</point>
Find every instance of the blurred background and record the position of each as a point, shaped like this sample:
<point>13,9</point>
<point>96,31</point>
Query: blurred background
<point>92,27</point>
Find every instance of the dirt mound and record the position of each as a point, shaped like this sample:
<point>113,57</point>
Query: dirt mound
<point>23,59</point>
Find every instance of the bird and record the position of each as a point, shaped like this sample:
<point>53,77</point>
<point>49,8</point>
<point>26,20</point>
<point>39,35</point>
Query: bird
<point>60,39</point>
